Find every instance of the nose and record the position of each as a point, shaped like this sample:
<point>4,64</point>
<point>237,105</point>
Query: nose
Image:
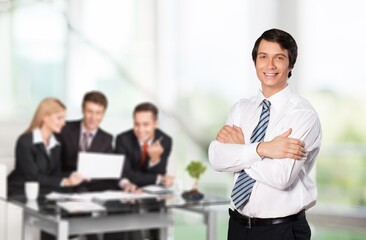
<point>271,63</point>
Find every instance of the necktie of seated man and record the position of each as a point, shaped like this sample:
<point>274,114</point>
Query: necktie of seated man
<point>84,143</point>
<point>244,184</point>
<point>143,154</point>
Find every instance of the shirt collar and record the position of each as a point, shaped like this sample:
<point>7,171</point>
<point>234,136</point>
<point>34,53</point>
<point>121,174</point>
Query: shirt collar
<point>148,142</point>
<point>83,130</point>
<point>37,138</point>
<point>277,99</point>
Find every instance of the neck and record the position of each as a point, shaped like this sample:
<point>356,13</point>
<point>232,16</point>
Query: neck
<point>46,134</point>
<point>87,128</point>
<point>269,92</point>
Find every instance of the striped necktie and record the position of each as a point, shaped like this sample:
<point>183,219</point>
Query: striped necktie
<point>244,184</point>
<point>85,139</point>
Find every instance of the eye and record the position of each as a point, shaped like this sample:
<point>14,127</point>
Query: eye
<point>280,57</point>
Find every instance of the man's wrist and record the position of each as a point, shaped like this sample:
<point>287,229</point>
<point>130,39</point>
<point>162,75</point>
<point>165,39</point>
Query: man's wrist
<point>260,150</point>
<point>123,182</point>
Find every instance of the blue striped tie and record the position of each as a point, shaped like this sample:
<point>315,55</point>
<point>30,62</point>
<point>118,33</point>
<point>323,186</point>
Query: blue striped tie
<point>244,184</point>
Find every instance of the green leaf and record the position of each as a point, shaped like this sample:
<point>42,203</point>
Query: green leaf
<point>196,169</point>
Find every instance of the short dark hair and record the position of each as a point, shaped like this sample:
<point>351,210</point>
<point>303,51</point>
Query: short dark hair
<point>95,97</point>
<point>284,39</point>
<point>147,107</point>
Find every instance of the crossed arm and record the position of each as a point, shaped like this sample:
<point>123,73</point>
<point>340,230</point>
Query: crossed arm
<point>281,146</point>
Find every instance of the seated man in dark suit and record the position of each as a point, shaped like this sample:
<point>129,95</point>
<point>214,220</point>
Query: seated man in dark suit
<point>86,135</point>
<point>146,149</point>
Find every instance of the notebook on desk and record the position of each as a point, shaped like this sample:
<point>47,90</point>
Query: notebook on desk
<point>100,165</point>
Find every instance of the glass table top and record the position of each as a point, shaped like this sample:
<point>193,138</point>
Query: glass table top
<point>71,207</point>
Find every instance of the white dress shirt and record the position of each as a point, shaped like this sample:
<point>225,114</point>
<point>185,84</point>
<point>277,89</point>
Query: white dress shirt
<point>283,186</point>
<point>37,138</point>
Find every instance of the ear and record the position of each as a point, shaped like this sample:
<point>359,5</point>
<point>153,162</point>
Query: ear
<point>44,119</point>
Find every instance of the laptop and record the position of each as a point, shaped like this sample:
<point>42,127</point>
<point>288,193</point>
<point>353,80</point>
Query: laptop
<point>100,165</point>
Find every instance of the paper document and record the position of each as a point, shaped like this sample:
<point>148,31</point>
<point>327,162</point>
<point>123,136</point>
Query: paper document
<point>55,196</point>
<point>120,195</point>
<point>156,189</point>
<point>102,196</point>
<point>100,165</point>
<point>76,207</point>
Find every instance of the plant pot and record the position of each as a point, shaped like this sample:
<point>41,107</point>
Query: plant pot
<point>192,195</point>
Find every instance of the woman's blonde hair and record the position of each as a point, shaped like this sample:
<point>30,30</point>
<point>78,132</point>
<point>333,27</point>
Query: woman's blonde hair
<point>46,107</point>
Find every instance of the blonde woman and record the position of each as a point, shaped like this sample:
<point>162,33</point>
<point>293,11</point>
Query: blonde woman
<point>37,152</point>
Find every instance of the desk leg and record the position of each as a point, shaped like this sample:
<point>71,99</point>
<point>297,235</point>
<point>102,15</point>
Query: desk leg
<point>210,221</point>
<point>27,230</point>
<point>164,232</point>
<point>62,230</point>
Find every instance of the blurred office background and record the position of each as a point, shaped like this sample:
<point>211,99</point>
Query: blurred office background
<point>193,59</point>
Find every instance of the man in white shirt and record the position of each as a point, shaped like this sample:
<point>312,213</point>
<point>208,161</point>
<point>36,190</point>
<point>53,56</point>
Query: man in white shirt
<point>274,188</point>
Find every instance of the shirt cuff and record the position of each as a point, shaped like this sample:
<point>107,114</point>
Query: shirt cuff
<point>253,154</point>
<point>123,182</point>
<point>159,179</point>
<point>62,183</point>
<point>152,165</point>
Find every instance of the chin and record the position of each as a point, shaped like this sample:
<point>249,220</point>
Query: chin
<point>57,130</point>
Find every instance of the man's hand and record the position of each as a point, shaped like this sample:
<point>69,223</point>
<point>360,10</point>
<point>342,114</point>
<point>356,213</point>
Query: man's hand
<point>166,180</point>
<point>155,151</point>
<point>282,147</point>
<point>231,134</point>
<point>75,179</point>
<point>129,187</point>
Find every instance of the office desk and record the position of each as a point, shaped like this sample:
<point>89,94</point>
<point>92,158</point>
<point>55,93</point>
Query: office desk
<point>119,215</point>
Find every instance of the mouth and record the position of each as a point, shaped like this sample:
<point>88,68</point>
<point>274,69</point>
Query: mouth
<point>270,74</point>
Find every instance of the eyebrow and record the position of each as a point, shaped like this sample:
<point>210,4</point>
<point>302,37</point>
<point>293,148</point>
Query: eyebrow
<point>278,54</point>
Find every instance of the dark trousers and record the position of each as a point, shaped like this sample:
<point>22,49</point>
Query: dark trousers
<point>296,230</point>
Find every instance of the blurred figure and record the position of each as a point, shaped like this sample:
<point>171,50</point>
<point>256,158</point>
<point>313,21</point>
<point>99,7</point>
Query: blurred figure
<point>146,149</point>
<point>86,135</point>
<point>37,153</point>
<point>270,144</point>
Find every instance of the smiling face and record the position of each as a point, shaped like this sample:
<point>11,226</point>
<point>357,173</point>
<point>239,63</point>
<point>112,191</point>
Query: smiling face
<point>144,125</point>
<point>54,121</point>
<point>272,67</point>
<point>93,115</point>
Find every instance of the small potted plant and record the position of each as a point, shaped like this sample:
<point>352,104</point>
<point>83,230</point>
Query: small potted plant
<point>195,169</point>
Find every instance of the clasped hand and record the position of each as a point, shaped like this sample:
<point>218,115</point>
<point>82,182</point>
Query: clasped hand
<point>231,134</point>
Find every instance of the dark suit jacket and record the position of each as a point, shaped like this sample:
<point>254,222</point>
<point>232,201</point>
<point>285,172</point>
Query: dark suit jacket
<point>32,163</point>
<point>127,144</point>
<point>70,138</point>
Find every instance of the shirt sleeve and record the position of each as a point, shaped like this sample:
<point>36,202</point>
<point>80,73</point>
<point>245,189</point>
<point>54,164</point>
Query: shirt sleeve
<point>281,173</point>
<point>233,157</point>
